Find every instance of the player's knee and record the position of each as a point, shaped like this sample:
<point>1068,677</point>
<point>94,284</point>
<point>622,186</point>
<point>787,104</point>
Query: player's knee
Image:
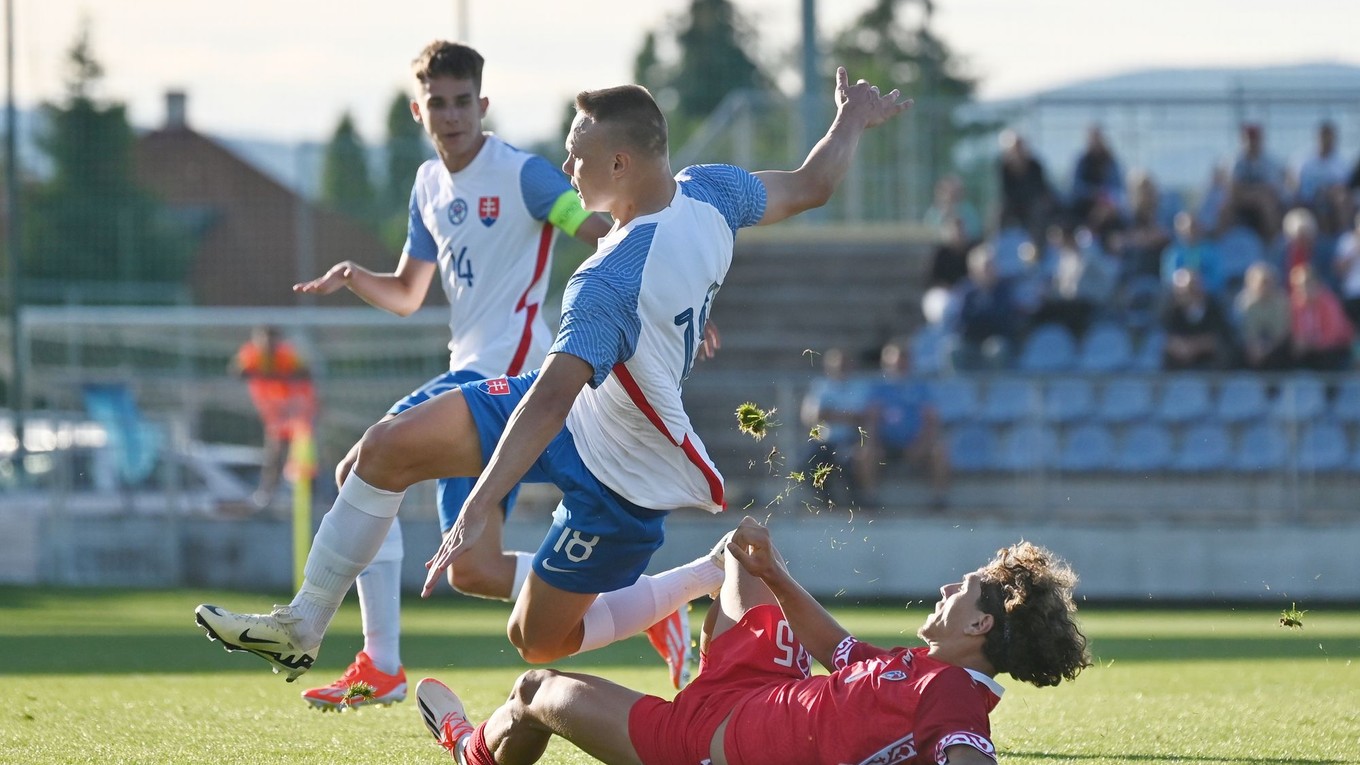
<point>535,648</point>
<point>382,449</point>
<point>471,580</point>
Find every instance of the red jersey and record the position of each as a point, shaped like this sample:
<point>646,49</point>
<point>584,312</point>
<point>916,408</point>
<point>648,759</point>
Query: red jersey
<point>877,708</point>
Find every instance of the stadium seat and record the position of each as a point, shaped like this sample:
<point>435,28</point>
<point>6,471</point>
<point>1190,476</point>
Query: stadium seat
<point>1146,447</point>
<point>1302,399</point>
<point>1323,447</point>
<point>955,398</point>
<point>1105,348</point>
<point>1009,241</point>
<point>1140,300</point>
<point>1149,355</point>
<point>1028,446</point>
<point>1124,399</point>
<point>1241,399</point>
<point>1238,248</point>
<point>1262,446</point>
<point>1087,447</point>
<point>1068,399</point>
<point>1007,400</point>
<point>1346,405</point>
<point>972,448</point>
<point>1204,447</point>
<point>1050,348</point>
<point>929,350</point>
<point>1183,400</point>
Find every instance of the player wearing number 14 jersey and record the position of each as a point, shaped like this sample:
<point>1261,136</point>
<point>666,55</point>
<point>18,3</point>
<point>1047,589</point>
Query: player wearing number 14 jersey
<point>602,419</point>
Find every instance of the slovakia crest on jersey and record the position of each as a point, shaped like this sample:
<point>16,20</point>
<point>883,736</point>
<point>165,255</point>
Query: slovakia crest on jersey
<point>497,387</point>
<point>488,210</point>
<point>457,211</point>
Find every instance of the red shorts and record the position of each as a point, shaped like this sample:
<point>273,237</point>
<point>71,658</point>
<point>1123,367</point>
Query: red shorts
<point>744,659</point>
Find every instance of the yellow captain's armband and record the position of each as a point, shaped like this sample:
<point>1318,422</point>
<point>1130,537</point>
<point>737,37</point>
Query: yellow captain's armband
<point>567,213</point>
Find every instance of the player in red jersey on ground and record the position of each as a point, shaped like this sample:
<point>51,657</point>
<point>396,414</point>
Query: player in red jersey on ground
<point>755,700</point>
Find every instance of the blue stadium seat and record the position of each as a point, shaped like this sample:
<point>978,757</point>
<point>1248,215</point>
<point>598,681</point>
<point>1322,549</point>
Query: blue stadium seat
<point>1204,447</point>
<point>1087,447</point>
<point>1105,348</point>
<point>1007,247</point>
<point>929,349</point>
<point>1068,399</point>
<point>1007,400</point>
<point>1323,447</point>
<point>1028,446</point>
<point>1149,355</point>
<point>1146,447</point>
<point>1302,399</point>
<point>1241,399</point>
<point>1262,446</point>
<point>1238,248</point>
<point>1124,399</point>
<point>955,398</point>
<point>1140,300</point>
<point>1346,405</point>
<point>1049,348</point>
<point>972,448</point>
<point>1183,400</point>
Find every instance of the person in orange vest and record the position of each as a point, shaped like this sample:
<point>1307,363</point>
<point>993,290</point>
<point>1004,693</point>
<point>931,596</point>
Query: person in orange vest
<point>281,389</point>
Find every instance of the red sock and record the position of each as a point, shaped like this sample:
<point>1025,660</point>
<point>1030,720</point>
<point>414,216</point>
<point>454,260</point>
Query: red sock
<point>476,752</point>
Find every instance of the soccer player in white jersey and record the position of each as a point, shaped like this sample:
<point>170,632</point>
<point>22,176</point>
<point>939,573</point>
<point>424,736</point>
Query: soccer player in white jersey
<point>482,215</point>
<point>602,419</point>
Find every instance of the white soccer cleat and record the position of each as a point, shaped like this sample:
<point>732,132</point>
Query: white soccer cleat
<point>670,638</point>
<point>270,636</point>
<point>442,712</point>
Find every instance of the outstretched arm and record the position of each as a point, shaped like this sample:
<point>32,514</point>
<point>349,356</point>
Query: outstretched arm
<point>536,420</point>
<point>400,292</point>
<point>858,107</point>
<point>815,628</point>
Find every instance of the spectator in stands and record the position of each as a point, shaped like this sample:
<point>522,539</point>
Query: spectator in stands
<point>1197,332</point>
<point>1139,247</point>
<point>903,425</point>
<point>1258,185</point>
<point>1320,333</point>
<point>1193,251</point>
<point>1097,179</point>
<point>1320,172</point>
<point>951,204</point>
<point>280,387</point>
<point>836,410</point>
<point>1214,213</point>
<point>1300,232</point>
<point>1027,198</point>
<point>988,319</point>
<point>1347,267</point>
<point>949,263</point>
<point>1263,319</point>
<point>1083,280</point>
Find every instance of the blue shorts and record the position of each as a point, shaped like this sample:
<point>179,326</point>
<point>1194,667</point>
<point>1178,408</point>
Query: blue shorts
<point>599,541</point>
<point>451,492</point>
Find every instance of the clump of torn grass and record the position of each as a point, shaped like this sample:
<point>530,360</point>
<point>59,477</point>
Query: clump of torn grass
<point>359,692</point>
<point>1292,617</point>
<point>754,421</point>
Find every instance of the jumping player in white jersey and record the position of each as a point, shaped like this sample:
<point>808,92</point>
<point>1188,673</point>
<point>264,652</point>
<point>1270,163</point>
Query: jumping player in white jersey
<point>482,214</point>
<point>602,419</point>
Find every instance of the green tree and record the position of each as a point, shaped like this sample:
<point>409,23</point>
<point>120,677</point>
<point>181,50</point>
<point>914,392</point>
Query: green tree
<point>406,150</point>
<point>713,61</point>
<point>345,185</point>
<point>91,221</point>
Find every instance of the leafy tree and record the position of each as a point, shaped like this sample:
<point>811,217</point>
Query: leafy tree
<point>406,150</point>
<point>713,62</point>
<point>345,185</point>
<point>91,221</point>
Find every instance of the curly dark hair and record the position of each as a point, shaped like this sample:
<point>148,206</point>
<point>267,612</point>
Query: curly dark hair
<point>1035,638</point>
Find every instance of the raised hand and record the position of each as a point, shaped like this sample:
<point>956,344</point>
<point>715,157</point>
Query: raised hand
<point>331,281</point>
<point>863,103</point>
<point>465,533</point>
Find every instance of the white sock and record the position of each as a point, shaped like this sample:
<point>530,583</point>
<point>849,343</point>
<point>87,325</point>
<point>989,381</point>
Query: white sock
<point>524,563</point>
<point>350,535</point>
<point>380,603</point>
<point>622,613</point>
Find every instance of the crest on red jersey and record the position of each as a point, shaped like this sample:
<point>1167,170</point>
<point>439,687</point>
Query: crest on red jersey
<point>488,210</point>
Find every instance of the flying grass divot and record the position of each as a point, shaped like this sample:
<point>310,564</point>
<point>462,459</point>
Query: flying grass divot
<point>754,421</point>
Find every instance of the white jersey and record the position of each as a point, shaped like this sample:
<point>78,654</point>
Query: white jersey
<point>635,311</point>
<point>487,228</point>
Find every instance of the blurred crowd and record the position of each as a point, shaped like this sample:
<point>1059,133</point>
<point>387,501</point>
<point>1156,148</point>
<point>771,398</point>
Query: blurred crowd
<point>1260,270</point>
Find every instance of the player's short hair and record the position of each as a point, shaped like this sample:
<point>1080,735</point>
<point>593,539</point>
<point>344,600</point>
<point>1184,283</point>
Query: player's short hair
<point>1034,636</point>
<point>632,110</point>
<point>442,58</point>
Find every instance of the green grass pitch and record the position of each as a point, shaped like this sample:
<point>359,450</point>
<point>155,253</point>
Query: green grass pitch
<point>126,677</point>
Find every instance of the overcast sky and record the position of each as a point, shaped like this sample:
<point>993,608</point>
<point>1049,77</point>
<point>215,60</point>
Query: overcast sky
<point>286,69</point>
